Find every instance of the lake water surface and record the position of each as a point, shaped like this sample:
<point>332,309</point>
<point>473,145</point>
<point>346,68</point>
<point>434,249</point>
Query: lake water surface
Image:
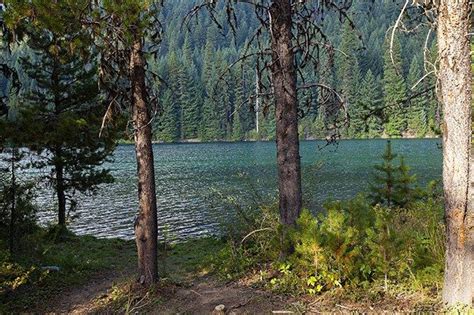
<point>191,177</point>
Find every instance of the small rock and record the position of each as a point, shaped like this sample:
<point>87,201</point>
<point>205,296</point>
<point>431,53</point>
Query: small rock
<point>220,307</point>
<point>219,310</point>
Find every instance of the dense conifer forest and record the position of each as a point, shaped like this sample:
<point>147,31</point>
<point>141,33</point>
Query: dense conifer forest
<point>197,59</point>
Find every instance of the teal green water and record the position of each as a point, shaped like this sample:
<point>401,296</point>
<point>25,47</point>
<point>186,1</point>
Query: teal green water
<point>189,178</point>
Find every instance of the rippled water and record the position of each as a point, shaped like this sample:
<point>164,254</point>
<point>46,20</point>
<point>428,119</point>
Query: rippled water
<point>190,176</point>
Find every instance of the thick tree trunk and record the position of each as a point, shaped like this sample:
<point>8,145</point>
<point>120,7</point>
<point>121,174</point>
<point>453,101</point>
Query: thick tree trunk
<point>60,194</point>
<point>146,222</point>
<point>456,94</point>
<point>286,112</point>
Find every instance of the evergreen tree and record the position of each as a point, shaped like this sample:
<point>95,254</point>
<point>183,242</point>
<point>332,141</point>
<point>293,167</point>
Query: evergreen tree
<point>348,77</point>
<point>384,180</point>
<point>394,91</point>
<point>417,115</point>
<point>190,106</point>
<point>210,123</point>
<point>370,106</point>
<point>61,119</point>
<point>174,110</point>
<point>358,110</point>
<point>347,65</point>
<point>392,185</point>
<point>404,192</point>
<point>168,127</point>
<point>238,128</point>
<point>434,107</point>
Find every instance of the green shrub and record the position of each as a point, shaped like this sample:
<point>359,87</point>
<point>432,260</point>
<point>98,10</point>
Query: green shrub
<point>355,244</point>
<point>350,244</point>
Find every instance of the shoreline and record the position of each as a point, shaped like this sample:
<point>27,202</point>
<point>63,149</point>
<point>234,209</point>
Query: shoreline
<point>198,141</point>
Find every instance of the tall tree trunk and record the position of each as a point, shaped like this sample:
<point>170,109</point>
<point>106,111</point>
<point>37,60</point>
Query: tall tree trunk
<point>286,112</point>
<point>60,193</point>
<point>59,167</point>
<point>146,222</point>
<point>456,94</point>
<point>12,236</point>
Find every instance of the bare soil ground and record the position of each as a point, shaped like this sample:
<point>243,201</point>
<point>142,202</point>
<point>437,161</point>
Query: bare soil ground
<point>202,294</point>
<point>82,299</point>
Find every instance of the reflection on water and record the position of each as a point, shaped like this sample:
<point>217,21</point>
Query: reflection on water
<point>189,175</point>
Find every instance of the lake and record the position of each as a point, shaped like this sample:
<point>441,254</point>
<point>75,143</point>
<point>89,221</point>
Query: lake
<point>194,179</point>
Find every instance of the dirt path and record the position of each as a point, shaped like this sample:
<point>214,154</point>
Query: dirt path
<point>80,300</point>
<point>201,296</point>
<point>205,294</point>
<point>198,297</point>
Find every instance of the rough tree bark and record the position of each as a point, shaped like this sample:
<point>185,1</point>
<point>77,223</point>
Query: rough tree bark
<point>286,112</point>
<point>146,222</point>
<point>455,80</point>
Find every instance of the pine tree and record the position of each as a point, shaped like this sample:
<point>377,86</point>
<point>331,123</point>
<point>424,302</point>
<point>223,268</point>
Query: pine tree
<point>347,64</point>
<point>370,99</point>
<point>237,134</point>
<point>349,78</point>
<point>384,180</point>
<point>392,185</point>
<point>61,119</point>
<point>434,106</point>
<point>168,127</point>
<point>394,91</point>
<point>358,110</point>
<point>174,110</point>
<point>238,128</point>
<point>210,123</point>
<point>190,105</point>
<point>417,115</point>
<point>404,192</point>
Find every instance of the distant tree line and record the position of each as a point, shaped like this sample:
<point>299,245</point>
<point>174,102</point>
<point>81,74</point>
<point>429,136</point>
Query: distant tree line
<point>197,64</point>
<point>204,98</point>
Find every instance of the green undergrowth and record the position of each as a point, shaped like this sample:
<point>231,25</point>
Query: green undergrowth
<point>30,281</point>
<point>180,262</point>
<point>30,277</point>
<point>352,247</point>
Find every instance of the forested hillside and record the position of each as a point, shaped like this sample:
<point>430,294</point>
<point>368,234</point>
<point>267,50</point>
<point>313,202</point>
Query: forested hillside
<point>196,56</point>
<point>203,97</point>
